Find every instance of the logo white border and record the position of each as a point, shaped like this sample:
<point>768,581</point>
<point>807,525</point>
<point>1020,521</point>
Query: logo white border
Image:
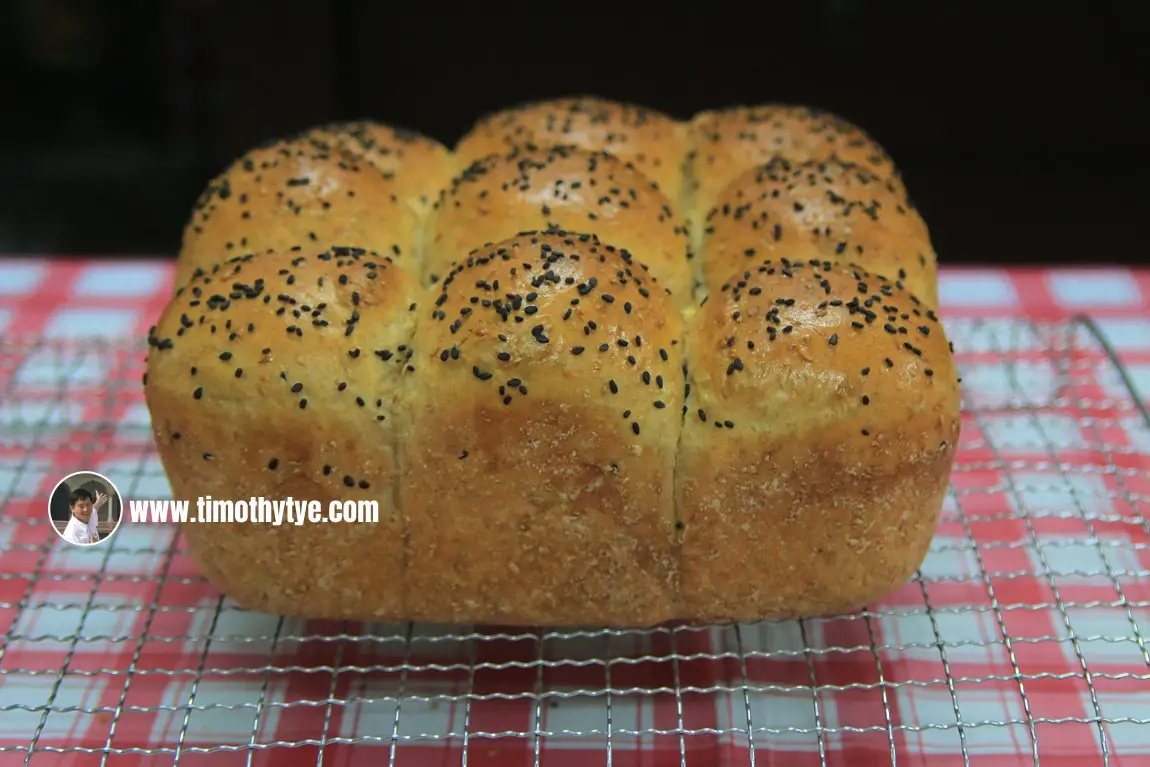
<point>110,484</point>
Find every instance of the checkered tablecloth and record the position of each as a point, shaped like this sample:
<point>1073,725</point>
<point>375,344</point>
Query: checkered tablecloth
<point>1026,632</point>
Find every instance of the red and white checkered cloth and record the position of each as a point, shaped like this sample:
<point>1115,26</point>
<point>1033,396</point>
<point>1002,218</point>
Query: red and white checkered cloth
<point>125,650</point>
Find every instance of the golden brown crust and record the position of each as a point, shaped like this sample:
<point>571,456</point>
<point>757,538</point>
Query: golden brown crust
<point>653,141</point>
<point>532,463</point>
<point>820,434</point>
<point>561,188</point>
<point>819,209</point>
<point>546,410</point>
<point>297,192</point>
<point>266,377</point>
<point>419,165</point>
<point>725,143</point>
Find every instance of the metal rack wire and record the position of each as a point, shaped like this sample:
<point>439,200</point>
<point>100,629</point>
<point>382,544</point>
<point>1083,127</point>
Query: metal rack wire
<point>1025,637</point>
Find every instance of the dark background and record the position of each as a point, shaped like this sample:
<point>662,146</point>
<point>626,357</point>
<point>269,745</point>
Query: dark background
<point>1022,138</point>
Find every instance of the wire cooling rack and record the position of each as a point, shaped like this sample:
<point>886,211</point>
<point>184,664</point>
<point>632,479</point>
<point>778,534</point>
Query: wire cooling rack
<point>1022,639</point>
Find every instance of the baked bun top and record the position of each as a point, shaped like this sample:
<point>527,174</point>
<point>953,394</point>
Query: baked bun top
<point>652,140</point>
<point>819,209</point>
<point>557,319</point>
<point>563,188</point>
<point>281,329</point>
<point>815,348</point>
<point>419,165</point>
<point>297,192</point>
<point>727,142</point>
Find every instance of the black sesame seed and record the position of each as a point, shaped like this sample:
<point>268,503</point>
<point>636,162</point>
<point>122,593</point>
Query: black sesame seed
<point>199,392</point>
<point>834,339</point>
<point>273,463</point>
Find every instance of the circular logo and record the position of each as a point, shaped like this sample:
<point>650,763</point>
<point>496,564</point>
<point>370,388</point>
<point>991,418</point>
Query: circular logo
<point>85,508</point>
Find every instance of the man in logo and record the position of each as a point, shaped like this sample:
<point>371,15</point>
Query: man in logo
<point>81,529</point>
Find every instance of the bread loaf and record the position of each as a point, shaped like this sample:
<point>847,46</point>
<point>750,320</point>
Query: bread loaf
<point>556,431</point>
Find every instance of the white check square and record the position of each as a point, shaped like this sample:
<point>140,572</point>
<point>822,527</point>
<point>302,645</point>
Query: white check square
<point>986,289</point>
<point>1127,333</point>
<point>92,323</point>
<point>25,699</point>
<point>223,710</point>
<point>138,479</point>
<point>21,277</point>
<point>1130,737</point>
<point>120,281</point>
<point>986,710</point>
<point>1085,290</point>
